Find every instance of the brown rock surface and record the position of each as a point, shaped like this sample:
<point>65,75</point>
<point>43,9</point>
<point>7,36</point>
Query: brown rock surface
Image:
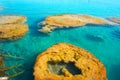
<point>12,19</point>
<point>69,20</point>
<point>67,62</point>
<point>12,27</point>
<point>12,31</point>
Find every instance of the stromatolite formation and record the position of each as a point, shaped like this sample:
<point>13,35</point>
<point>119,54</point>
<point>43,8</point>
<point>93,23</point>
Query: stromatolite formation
<point>67,62</point>
<point>12,19</point>
<point>12,27</point>
<point>69,20</point>
<point>12,31</point>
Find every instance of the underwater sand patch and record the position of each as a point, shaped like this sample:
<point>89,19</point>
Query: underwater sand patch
<point>68,62</point>
<point>69,20</point>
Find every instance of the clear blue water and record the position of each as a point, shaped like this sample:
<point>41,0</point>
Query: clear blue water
<point>103,41</point>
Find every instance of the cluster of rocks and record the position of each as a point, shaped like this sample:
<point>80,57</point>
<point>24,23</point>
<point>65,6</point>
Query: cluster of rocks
<point>12,27</point>
<point>70,20</point>
<point>61,61</point>
<point>68,62</point>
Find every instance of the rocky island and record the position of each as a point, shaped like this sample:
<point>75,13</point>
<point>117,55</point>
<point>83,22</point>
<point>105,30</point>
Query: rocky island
<point>12,27</point>
<point>69,20</point>
<point>68,62</point>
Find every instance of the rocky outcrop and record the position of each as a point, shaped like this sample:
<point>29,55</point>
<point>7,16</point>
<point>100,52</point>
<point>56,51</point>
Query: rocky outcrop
<point>12,31</point>
<point>68,62</point>
<point>69,20</point>
<point>12,27</point>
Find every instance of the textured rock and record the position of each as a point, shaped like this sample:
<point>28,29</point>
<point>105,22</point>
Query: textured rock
<point>12,31</point>
<point>2,7</point>
<point>67,62</point>
<point>69,20</point>
<point>12,19</point>
<point>12,27</point>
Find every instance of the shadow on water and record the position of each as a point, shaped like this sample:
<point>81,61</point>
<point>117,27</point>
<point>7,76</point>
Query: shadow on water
<point>94,38</point>
<point>116,34</point>
<point>114,72</point>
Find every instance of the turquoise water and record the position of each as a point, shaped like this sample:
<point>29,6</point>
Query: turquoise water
<point>103,41</point>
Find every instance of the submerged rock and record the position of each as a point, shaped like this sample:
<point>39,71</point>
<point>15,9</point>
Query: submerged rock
<point>12,27</point>
<point>68,62</point>
<point>94,38</point>
<point>69,20</point>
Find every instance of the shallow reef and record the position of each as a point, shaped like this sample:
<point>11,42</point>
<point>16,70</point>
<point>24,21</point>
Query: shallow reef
<point>70,20</point>
<point>68,62</point>
<point>12,27</point>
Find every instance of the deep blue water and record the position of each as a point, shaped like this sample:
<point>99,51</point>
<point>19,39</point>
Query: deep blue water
<point>101,40</point>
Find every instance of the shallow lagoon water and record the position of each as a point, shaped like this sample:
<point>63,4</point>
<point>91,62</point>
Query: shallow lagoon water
<point>101,40</point>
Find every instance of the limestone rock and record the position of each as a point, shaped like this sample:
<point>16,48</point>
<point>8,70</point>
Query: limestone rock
<point>12,27</point>
<point>12,31</point>
<point>69,20</point>
<point>12,19</point>
<point>68,62</point>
